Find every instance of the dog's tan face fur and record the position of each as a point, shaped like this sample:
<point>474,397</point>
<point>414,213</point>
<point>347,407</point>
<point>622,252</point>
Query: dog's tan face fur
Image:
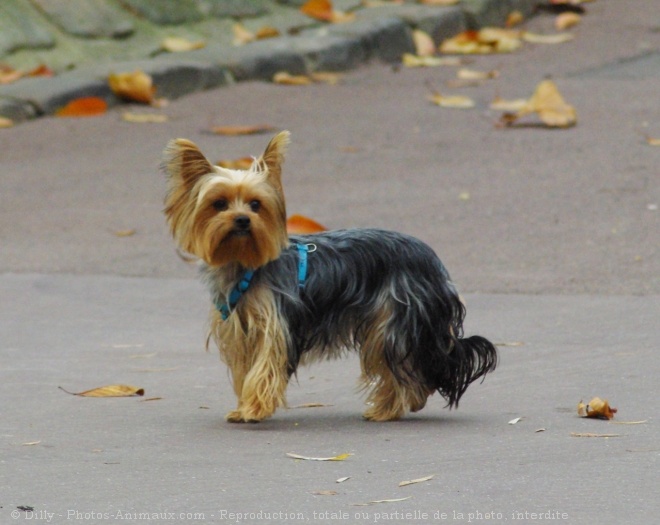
<point>224,216</point>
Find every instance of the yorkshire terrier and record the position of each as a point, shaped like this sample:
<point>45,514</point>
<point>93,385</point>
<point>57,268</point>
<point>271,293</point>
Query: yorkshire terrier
<point>281,301</point>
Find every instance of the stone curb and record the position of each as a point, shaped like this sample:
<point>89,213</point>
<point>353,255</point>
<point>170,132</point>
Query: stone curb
<point>380,33</point>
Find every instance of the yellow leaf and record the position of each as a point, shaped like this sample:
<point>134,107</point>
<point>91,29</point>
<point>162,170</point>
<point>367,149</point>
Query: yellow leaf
<point>514,18</point>
<point>325,77</point>
<point>566,20</point>
<point>6,122</point>
<point>176,44</point>
<point>424,45</point>
<point>340,457</point>
<point>548,103</point>
<point>599,408</point>
<point>143,118</point>
<point>287,79</point>
<point>652,141</point>
<point>410,60</point>
<point>418,480</point>
<point>125,233</point>
<point>110,391</point>
<point>136,86</point>
<point>484,41</point>
<point>455,101</point>
<point>471,74</point>
<point>500,104</point>
<point>557,38</point>
<point>267,32</point>
<point>242,35</point>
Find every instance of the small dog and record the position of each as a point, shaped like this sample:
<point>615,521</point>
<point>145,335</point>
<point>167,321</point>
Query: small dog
<point>281,301</point>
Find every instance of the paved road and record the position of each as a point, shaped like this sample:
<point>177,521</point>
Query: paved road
<point>555,249</point>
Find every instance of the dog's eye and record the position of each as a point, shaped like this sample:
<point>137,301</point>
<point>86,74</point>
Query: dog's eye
<point>220,204</point>
<point>255,205</point>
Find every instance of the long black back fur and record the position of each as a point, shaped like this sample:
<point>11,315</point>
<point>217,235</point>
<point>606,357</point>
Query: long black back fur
<point>353,275</point>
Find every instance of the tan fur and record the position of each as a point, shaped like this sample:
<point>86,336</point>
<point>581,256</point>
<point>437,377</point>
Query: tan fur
<point>254,347</point>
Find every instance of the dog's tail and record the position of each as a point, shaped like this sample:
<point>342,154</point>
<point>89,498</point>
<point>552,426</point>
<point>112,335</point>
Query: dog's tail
<point>470,358</point>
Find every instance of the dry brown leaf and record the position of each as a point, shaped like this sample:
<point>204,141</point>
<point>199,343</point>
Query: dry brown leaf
<point>6,122</point>
<point>652,141</point>
<point>418,480</point>
<point>514,18</point>
<point>484,41</point>
<point>325,77</point>
<point>301,225</point>
<point>109,391</point>
<point>136,86</point>
<point>548,103</point>
<point>242,35</point>
<point>242,163</point>
<point>410,60</point>
<point>125,233</point>
<point>83,107</point>
<point>472,74</point>
<point>453,101</point>
<point>287,79</point>
<point>144,118</point>
<point>596,408</point>
<point>557,38</point>
<point>566,20</point>
<point>323,10</point>
<point>424,44</point>
<point>267,32</point>
<point>339,457</point>
<point>176,44</point>
<point>311,405</point>
<point>325,492</point>
<point>241,130</point>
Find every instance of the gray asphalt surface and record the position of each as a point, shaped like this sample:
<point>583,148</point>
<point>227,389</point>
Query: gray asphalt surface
<point>556,251</point>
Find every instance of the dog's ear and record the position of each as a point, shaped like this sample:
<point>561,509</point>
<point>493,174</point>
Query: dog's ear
<point>273,157</point>
<point>183,161</point>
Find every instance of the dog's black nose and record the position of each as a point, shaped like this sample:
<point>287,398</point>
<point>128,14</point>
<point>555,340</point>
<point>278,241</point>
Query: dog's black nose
<point>242,222</point>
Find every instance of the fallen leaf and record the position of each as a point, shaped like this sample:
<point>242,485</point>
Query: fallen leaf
<point>590,435</point>
<point>340,457</point>
<point>325,492</point>
<point>242,163</point>
<point>242,35</point>
<point>510,343</point>
<point>410,60</point>
<point>418,480</point>
<point>176,44</point>
<point>267,32</point>
<point>136,86</point>
<point>282,77</point>
<point>596,408</point>
<point>514,18</point>
<point>301,225</point>
<point>652,141</point>
<point>464,196</point>
<point>144,118</point>
<point>557,38</point>
<point>641,422</point>
<point>566,20</point>
<point>548,103</point>
<point>424,44</point>
<point>471,74</point>
<point>9,75</point>
<point>376,501</point>
<point>341,480</point>
<point>323,10</point>
<point>514,421</point>
<point>83,107</point>
<point>325,77</point>
<point>539,430</point>
<point>30,443</point>
<point>242,130</point>
<point>109,391</point>
<point>484,41</point>
<point>514,105</point>
<point>453,101</point>
<point>6,122</point>
<point>125,233</point>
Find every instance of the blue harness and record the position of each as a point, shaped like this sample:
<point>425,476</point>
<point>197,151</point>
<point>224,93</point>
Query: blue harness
<point>243,284</point>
